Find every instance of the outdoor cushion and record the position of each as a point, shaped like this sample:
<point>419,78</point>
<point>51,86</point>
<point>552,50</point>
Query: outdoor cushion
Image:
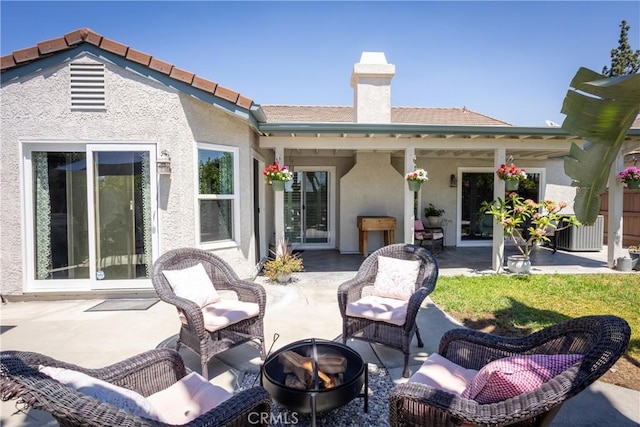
<point>125,399</point>
<point>193,284</point>
<point>396,278</point>
<point>443,374</point>
<point>507,377</point>
<point>224,313</point>
<point>380,309</point>
<point>187,399</point>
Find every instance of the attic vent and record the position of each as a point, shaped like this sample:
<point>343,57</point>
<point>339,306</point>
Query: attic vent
<point>87,86</point>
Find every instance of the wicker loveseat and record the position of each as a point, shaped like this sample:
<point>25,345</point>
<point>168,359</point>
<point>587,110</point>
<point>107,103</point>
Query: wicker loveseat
<point>600,339</point>
<point>395,336</point>
<point>145,374</point>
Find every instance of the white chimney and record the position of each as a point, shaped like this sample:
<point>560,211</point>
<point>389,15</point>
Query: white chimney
<point>371,82</point>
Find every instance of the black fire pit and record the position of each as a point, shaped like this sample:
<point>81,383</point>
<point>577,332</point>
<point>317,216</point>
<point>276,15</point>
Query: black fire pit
<point>321,393</point>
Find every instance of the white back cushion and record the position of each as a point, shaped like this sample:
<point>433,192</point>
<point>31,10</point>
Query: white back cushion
<point>125,399</point>
<point>193,284</point>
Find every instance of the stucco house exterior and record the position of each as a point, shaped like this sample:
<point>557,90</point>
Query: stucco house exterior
<point>111,156</point>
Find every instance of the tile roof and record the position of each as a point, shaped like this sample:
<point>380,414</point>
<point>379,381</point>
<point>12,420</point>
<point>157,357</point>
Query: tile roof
<point>405,115</point>
<point>85,35</point>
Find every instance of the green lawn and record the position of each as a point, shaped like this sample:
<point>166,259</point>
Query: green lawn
<point>525,304</point>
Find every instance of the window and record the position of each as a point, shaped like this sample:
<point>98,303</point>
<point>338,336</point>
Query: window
<point>218,202</point>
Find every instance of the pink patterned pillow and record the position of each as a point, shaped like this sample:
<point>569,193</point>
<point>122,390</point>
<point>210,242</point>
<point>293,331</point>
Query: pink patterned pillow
<point>510,376</point>
<point>396,278</point>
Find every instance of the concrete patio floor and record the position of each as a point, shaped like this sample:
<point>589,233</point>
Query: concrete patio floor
<point>303,309</point>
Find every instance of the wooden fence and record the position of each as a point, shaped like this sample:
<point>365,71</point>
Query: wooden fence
<point>630,215</point>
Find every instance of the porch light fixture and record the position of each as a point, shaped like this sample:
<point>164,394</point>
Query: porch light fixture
<point>163,163</point>
<point>453,181</point>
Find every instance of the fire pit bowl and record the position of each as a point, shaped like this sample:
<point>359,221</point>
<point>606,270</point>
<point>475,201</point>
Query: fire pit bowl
<point>308,358</point>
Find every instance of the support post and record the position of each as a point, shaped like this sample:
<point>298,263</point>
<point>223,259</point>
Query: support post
<point>497,253</point>
<point>409,217</point>
<point>615,206</point>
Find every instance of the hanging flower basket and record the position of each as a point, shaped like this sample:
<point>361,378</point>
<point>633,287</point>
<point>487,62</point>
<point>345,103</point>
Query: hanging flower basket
<point>277,175</point>
<point>631,177</point>
<point>512,175</point>
<point>277,185</point>
<point>511,184</point>
<point>416,178</point>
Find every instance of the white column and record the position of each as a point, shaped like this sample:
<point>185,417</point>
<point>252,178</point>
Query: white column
<point>279,202</point>
<point>409,166</point>
<point>614,221</point>
<point>497,254</point>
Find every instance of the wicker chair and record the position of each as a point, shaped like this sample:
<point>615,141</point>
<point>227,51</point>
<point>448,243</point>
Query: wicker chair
<point>600,339</point>
<point>398,337</point>
<point>146,374</point>
<point>192,332</point>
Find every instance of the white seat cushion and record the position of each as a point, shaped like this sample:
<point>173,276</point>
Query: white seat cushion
<point>227,312</point>
<point>443,374</point>
<point>380,309</point>
<point>194,284</point>
<point>396,278</point>
<point>187,399</point>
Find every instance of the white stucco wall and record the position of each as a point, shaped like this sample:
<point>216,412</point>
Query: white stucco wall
<point>372,187</point>
<point>36,108</point>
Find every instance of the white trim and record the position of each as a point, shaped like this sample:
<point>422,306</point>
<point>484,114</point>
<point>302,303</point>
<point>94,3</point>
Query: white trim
<point>331,226</point>
<point>30,284</point>
<point>235,197</point>
<point>264,245</point>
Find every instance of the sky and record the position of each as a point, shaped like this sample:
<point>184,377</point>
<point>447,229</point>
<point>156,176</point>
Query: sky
<point>511,60</point>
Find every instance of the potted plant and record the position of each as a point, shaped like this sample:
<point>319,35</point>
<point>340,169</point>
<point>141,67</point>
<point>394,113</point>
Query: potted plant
<point>416,178</point>
<point>634,254</point>
<point>277,175</point>
<point>280,268</point>
<point>511,175</point>
<point>433,214</point>
<point>631,177</point>
<point>528,223</point>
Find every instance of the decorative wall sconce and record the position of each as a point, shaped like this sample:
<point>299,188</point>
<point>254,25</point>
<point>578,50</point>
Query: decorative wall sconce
<point>453,181</point>
<point>163,163</point>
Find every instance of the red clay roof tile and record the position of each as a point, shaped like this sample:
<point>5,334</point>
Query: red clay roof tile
<point>161,66</point>
<point>204,84</point>
<point>228,94</point>
<point>182,75</point>
<point>52,45</point>
<point>139,57</point>
<point>70,40</point>
<point>113,47</point>
<point>7,61</point>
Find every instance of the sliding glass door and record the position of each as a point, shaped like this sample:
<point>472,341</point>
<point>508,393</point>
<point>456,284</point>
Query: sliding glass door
<point>308,206</point>
<point>93,209</point>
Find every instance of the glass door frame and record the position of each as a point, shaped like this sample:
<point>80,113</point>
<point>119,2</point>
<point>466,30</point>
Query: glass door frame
<point>460,172</point>
<point>31,284</point>
<point>331,208</point>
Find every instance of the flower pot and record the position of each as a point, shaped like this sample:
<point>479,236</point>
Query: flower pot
<point>519,264</point>
<point>433,220</point>
<point>635,260</point>
<point>633,185</point>
<point>277,185</point>
<point>283,277</point>
<point>511,184</point>
<point>414,185</point>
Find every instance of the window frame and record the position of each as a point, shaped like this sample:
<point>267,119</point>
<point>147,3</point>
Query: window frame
<point>235,197</point>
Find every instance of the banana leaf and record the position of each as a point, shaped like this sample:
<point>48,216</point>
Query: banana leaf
<point>600,110</point>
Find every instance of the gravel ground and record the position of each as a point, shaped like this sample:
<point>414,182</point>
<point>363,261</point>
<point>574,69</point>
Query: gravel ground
<point>351,414</point>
